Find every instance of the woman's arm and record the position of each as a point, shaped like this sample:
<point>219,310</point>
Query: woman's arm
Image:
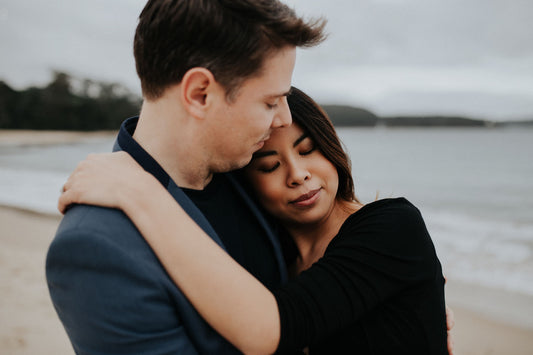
<point>229,298</point>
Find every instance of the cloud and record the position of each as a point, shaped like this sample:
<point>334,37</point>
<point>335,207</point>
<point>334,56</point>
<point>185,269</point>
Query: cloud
<point>492,91</point>
<point>420,56</point>
<point>423,32</point>
<point>86,38</point>
<point>378,51</point>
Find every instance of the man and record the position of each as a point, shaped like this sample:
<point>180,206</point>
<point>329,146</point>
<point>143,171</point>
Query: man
<point>214,76</point>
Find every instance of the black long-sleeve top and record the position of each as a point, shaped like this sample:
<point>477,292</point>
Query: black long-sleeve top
<point>378,289</point>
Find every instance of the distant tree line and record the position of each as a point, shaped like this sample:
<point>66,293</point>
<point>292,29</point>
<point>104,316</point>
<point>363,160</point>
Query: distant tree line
<point>343,116</point>
<point>67,103</point>
<point>346,116</point>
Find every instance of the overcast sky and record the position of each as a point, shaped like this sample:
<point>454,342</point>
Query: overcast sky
<point>461,57</point>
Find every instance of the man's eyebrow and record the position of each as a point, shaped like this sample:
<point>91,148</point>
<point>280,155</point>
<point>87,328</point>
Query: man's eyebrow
<point>286,93</point>
<point>299,140</point>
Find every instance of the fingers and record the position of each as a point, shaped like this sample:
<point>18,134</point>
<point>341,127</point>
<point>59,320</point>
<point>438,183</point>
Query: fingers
<point>450,318</point>
<point>67,196</point>
<point>99,179</point>
<point>64,200</point>
<point>61,204</point>
<point>450,323</point>
<point>450,343</point>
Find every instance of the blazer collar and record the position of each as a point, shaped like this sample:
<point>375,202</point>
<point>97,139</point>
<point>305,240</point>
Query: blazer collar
<point>126,142</point>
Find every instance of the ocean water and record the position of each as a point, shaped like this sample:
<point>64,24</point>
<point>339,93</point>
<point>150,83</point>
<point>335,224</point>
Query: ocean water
<point>31,176</point>
<point>474,188</point>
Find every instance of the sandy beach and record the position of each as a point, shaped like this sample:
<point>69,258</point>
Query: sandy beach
<point>29,325</point>
<point>28,321</point>
<point>10,138</point>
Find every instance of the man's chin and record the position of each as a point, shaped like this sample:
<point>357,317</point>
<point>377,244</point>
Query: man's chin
<point>231,166</point>
<point>242,164</point>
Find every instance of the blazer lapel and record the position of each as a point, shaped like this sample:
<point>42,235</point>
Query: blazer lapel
<point>125,142</point>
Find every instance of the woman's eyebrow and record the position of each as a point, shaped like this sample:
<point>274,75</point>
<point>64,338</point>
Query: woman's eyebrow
<point>299,140</point>
<point>267,153</point>
<point>263,154</point>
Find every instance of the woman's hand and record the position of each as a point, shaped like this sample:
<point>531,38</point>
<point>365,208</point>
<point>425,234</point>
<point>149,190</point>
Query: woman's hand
<point>105,180</point>
<point>450,322</point>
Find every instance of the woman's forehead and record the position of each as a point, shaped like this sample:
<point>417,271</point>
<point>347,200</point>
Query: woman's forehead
<point>282,134</point>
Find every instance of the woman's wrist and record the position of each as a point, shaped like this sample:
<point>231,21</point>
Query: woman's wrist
<point>139,193</point>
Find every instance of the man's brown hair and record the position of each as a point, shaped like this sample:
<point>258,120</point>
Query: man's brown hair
<point>231,38</point>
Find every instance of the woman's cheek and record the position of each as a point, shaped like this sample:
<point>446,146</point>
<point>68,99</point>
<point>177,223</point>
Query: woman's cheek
<point>271,194</point>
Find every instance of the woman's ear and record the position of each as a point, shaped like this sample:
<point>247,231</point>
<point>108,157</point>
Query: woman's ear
<point>196,85</point>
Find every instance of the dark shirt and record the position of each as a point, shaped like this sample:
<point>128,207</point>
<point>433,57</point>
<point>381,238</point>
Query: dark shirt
<point>238,229</point>
<point>378,289</point>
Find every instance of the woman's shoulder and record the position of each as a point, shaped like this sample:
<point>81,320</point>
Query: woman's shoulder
<point>388,235</point>
<point>388,209</point>
<point>391,222</point>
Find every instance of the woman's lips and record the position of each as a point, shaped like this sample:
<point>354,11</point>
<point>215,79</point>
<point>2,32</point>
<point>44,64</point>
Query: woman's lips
<point>306,199</point>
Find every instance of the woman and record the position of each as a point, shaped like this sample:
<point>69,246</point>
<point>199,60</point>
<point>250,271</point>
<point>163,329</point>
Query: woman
<point>366,277</point>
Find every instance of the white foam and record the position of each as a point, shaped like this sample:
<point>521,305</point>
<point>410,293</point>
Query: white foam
<point>32,190</point>
<point>494,253</point>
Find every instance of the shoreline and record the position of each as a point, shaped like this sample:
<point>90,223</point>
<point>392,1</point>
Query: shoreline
<point>507,307</point>
<point>29,138</point>
<point>487,321</point>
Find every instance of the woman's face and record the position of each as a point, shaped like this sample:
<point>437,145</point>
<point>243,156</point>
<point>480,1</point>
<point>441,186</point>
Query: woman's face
<point>292,179</point>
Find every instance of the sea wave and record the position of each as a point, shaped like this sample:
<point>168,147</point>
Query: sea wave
<point>32,190</point>
<point>488,252</point>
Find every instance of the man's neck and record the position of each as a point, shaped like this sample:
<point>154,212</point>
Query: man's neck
<point>166,134</point>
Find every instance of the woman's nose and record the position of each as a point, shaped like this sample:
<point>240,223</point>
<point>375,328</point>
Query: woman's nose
<point>297,175</point>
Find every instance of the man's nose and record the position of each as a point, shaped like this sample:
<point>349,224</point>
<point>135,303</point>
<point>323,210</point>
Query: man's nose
<point>283,116</point>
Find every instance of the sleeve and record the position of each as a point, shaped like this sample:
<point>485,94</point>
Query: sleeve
<point>109,301</point>
<point>377,254</point>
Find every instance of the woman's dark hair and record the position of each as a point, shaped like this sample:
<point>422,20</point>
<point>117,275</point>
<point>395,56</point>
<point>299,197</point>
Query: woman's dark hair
<point>307,114</point>
<point>231,38</point>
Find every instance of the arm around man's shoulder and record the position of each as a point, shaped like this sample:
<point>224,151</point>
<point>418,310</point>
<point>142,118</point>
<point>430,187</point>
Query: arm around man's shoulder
<point>109,289</point>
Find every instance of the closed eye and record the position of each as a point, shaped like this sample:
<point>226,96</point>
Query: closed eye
<point>308,151</point>
<point>268,169</point>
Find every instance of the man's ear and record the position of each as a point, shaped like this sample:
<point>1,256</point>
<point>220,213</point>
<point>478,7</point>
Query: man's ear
<point>196,85</point>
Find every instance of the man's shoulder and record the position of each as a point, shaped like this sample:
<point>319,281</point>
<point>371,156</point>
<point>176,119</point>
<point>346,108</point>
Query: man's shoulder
<point>111,292</point>
<point>85,230</point>
<point>87,219</point>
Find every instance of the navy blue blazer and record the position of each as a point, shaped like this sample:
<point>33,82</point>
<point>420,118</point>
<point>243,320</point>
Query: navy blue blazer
<point>111,292</point>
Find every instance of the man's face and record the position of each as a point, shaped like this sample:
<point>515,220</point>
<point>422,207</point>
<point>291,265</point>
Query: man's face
<point>240,127</point>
